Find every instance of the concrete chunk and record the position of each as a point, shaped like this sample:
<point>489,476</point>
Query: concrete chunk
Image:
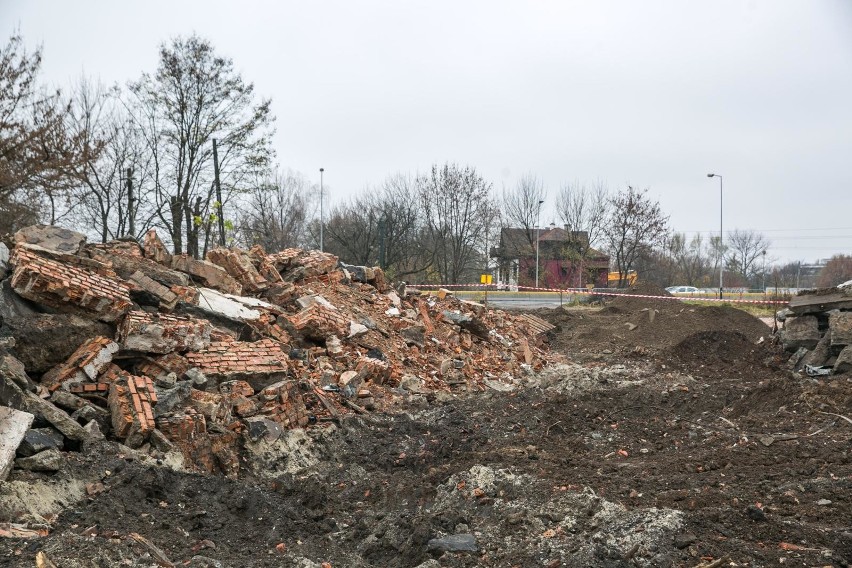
<point>844,361</point>
<point>48,460</point>
<point>799,332</point>
<point>51,238</point>
<point>840,326</point>
<point>39,439</point>
<point>13,427</point>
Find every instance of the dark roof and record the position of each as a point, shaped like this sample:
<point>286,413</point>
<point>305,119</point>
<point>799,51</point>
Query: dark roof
<point>518,243</point>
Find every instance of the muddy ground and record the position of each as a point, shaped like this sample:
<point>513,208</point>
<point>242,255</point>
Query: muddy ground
<point>680,443</point>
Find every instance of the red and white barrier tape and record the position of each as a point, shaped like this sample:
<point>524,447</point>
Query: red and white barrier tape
<point>493,287</point>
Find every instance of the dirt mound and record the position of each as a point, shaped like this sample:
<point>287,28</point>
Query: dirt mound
<point>636,325</point>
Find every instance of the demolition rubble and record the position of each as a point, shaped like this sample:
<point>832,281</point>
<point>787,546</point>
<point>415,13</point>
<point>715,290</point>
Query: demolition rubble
<point>818,331</point>
<point>168,353</point>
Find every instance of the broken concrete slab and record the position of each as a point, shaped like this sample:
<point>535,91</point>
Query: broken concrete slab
<point>162,333</point>
<point>39,439</point>
<point>49,460</point>
<point>55,416</point>
<point>206,273</point>
<point>816,303</point>
<point>51,238</point>
<point>14,425</point>
<point>800,332</point>
<point>171,400</point>
<point>227,305</point>
<point>69,288</point>
<point>85,363</point>
<point>43,341</point>
<point>840,327</point>
<point>12,305</point>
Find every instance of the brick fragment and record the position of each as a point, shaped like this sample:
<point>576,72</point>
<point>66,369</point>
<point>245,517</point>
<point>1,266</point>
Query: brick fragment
<point>237,263</point>
<point>69,288</point>
<point>85,364</point>
<point>168,299</point>
<point>130,399</point>
<point>318,322</point>
<point>259,363</point>
<point>154,249</point>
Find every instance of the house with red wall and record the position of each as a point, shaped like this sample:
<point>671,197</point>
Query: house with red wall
<point>565,259</point>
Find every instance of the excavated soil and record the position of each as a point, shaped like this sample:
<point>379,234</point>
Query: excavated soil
<point>699,448</point>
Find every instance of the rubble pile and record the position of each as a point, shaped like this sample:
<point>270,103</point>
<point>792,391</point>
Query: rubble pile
<point>818,330</point>
<point>173,354</point>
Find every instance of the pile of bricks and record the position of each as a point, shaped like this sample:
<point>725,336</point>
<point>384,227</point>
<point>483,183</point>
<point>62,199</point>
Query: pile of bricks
<point>67,287</point>
<point>211,354</point>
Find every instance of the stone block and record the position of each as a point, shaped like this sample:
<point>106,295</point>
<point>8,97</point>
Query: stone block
<point>48,460</point>
<point>840,327</point>
<point>802,331</point>
<point>39,439</point>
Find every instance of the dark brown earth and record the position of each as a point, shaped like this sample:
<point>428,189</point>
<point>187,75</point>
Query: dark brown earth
<point>680,443</point>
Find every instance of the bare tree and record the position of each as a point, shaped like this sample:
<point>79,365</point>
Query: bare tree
<point>276,211</point>
<point>197,96</point>
<point>836,271</point>
<point>522,204</point>
<point>456,204</point>
<point>744,250</point>
<point>691,260</point>
<point>583,210</point>
<point>111,149</point>
<point>635,223</point>
<point>381,226</point>
<point>37,154</point>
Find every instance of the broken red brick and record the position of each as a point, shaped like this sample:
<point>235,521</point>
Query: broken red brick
<point>85,364</point>
<point>68,288</point>
<point>259,362</point>
<point>318,322</point>
<point>130,399</point>
<point>155,249</point>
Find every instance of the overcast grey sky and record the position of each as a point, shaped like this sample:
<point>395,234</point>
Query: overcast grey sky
<point>653,94</point>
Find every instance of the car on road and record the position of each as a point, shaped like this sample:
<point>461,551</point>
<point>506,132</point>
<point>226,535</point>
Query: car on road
<point>683,290</point>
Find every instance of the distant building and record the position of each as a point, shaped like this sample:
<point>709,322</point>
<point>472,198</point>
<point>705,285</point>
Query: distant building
<point>560,265</point>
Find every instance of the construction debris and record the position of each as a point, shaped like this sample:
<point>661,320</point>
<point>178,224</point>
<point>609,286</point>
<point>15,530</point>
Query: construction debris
<point>818,331</point>
<point>202,356</point>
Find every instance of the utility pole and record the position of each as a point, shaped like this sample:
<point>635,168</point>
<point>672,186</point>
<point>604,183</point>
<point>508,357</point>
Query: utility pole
<point>322,217</point>
<point>131,221</point>
<point>382,235</point>
<point>218,196</point>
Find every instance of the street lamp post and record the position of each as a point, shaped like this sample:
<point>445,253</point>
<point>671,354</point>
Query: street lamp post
<point>764,271</point>
<point>721,241</point>
<point>322,218</point>
<point>537,237</point>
